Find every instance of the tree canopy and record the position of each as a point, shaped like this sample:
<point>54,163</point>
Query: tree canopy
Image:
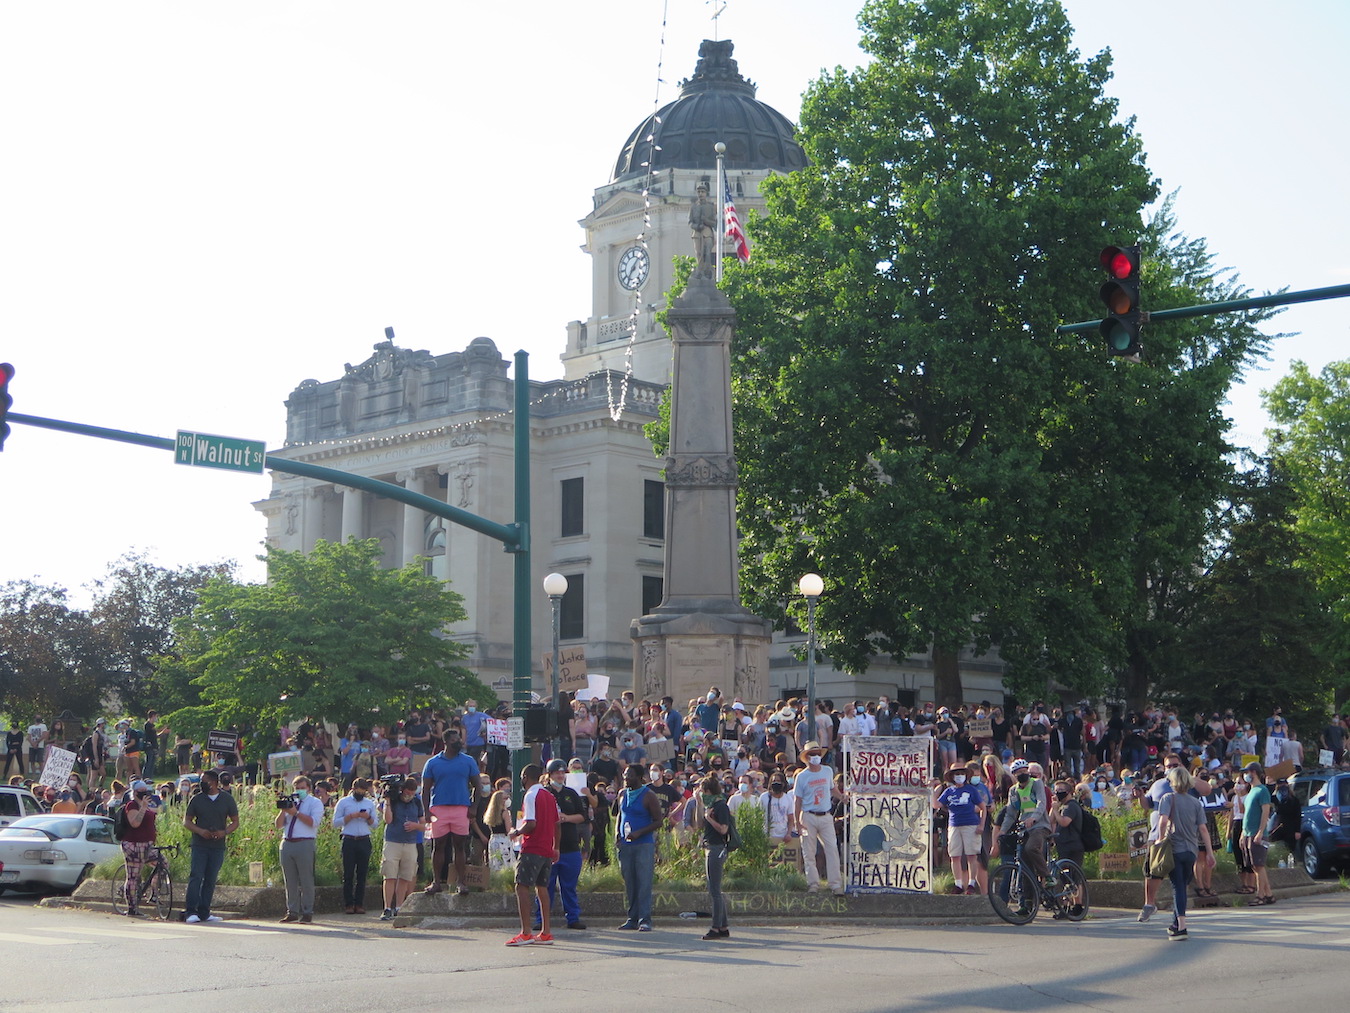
<point>908,422</point>
<point>332,634</point>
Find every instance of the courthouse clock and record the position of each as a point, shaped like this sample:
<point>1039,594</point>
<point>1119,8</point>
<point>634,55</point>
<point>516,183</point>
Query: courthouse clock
<point>633,267</point>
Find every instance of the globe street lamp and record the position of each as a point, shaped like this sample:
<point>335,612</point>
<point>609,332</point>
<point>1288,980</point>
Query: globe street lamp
<point>555,586</point>
<point>811,586</point>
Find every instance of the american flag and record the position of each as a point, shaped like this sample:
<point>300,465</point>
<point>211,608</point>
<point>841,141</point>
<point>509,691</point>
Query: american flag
<point>734,231</point>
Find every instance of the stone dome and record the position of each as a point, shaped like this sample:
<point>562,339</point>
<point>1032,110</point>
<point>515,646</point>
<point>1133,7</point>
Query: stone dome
<point>715,104</point>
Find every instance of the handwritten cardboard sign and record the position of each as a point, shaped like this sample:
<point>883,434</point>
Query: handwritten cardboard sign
<point>571,672</point>
<point>890,813</point>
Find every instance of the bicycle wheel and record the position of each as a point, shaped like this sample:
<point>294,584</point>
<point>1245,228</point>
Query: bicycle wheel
<point>119,891</point>
<point>1073,892</point>
<point>1013,895</point>
<point>159,895</point>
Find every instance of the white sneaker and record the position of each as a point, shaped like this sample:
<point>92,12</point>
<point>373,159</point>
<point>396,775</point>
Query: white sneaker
<point>192,919</point>
<point>214,918</point>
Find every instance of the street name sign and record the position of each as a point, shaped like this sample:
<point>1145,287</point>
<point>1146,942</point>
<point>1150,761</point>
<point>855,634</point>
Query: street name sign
<point>202,450</point>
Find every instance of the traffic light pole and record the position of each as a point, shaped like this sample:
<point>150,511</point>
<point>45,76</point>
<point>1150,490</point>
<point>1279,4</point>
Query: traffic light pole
<point>1229,306</point>
<point>515,537</point>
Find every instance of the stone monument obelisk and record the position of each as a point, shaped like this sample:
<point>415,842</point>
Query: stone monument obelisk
<point>700,635</point>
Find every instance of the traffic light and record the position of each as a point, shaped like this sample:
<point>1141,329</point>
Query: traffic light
<point>6,374</point>
<point>1120,327</point>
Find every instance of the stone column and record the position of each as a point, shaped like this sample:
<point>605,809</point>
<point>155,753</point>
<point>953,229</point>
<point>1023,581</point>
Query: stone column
<point>701,635</point>
<point>353,513</point>
<point>414,520</point>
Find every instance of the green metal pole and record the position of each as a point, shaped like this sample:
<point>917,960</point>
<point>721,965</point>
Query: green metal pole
<point>521,669</point>
<point>1228,306</point>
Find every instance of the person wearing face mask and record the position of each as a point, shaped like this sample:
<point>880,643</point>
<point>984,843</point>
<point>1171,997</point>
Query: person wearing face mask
<point>399,758</point>
<point>713,817</point>
<point>1066,818</point>
<point>779,811</point>
<point>605,764</point>
<point>745,796</point>
<point>138,840</point>
<point>965,828</point>
<point>567,865</point>
<point>299,823</point>
<point>404,821</point>
<point>1243,742</point>
<point>1027,805</point>
<point>600,819</point>
<point>813,793</point>
<point>355,816</point>
<point>1256,817</point>
<point>474,742</point>
<point>210,817</point>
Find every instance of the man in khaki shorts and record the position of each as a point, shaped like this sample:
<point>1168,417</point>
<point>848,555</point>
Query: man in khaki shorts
<point>404,823</point>
<point>965,829</point>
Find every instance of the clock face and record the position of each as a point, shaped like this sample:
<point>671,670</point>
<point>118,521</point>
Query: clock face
<point>633,266</point>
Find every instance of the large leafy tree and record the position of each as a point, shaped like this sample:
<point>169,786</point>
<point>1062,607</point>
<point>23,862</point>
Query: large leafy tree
<point>51,660</point>
<point>908,421</point>
<point>897,365</point>
<point>1310,442</point>
<point>332,634</point>
<point>135,607</point>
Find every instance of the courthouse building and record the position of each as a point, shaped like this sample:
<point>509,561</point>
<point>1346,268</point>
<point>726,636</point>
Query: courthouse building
<point>442,424</point>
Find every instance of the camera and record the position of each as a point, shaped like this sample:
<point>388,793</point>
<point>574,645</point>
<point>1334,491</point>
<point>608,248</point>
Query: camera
<point>286,801</point>
<point>393,785</point>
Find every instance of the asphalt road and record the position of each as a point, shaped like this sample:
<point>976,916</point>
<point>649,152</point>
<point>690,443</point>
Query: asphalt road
<point>1290,955</point>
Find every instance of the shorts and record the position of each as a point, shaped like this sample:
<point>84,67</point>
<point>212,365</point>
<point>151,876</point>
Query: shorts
<point>963,841</point>
<point>532,869</point>
<point>449,819</point>
<point>183,754</point>
<point>1256,853</point>
<point>399,861</point>
<point>1147,871</point>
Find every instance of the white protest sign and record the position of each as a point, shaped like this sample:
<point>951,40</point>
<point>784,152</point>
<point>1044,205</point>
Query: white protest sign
<point>60,762</point>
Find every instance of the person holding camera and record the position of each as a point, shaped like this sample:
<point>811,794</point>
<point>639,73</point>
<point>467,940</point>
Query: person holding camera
<point>299,816</point>
<point>211,816</point>
<point>404,823</point>
<point>138,840</point>
<point>354,817</point>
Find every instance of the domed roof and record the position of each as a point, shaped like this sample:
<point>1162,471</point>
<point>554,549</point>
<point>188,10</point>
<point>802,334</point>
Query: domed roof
<point>716,104</point>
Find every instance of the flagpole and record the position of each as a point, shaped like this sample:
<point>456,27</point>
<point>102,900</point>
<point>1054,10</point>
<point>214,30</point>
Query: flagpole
<point>720,148</point>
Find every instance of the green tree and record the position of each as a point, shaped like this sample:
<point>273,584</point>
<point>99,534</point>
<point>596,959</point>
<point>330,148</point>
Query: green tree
<point>331,634</point>
<point>135,607</point>
<point>51,660</point>
<point>1255,625</point>
<point>1311,444</point>
<point>897,374</point>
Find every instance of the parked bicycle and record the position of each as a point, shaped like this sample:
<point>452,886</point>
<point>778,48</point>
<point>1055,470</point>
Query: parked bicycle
<point>1016,895</point>
<point>155,889</point>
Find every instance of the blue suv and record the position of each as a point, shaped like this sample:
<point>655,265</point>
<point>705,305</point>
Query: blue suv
<point>1324,794</point>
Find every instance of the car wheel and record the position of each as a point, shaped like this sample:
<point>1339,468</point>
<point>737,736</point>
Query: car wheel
<point>1312,861</point>
<point>84,874</point>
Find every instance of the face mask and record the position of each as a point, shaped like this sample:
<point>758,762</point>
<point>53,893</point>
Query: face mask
<point>402,742</point>
<point>976,778</point>
<point>1101,785</point>
<point>1248,778</point>
<point>1023,778</point>
<point>302,792</point>
<point>814,760</point>
<point>358,795</point>
<point>745,789</point>
<point>1061,795</point>
<point>958,778</point>
<point>72,784</point>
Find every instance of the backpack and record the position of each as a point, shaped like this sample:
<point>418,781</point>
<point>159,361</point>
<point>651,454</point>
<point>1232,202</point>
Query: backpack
<point>733,835</point>
<point>1091,832</point>
<point>121,825</point>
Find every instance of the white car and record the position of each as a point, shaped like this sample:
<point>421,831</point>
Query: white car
<point>54,851</point>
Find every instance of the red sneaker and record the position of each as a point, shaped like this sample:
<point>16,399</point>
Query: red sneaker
<point>544,939</point>
<point>521,939</point>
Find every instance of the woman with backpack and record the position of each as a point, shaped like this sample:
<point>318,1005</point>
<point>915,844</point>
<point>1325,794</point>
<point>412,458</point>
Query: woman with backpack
<point>136,831</point>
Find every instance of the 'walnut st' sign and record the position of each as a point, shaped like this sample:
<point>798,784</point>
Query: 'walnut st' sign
<point>202,450</point>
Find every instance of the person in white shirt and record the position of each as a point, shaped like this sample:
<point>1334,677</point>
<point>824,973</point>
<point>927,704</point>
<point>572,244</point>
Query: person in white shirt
<point>744,796</point>
<point>779,810</point>
<point>813,792</point>
<point>299,823</point>
<point>867,721</point>
<point>848,724</point>
<point>354,816</point>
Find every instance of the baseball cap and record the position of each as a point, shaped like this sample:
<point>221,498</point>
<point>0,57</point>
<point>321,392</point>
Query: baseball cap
<point>556,765</point>
<point>142,786</point>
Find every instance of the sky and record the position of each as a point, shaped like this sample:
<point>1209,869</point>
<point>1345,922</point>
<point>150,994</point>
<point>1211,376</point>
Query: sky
<point>203,205</point>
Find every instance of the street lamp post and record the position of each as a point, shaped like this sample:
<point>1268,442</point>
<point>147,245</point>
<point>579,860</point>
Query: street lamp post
<point>811,586</point>
<point>555,586</point>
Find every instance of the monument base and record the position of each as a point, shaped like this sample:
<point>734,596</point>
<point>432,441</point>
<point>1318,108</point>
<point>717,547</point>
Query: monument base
<point>681,654</point>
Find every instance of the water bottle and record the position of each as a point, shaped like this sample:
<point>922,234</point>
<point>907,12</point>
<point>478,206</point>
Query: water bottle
<point>688,914</point>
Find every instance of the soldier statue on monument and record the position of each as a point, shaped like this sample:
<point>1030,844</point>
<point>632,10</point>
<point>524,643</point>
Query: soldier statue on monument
<point>703,224</point>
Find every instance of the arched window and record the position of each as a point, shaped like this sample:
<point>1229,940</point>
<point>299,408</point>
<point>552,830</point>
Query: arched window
<point>434,542</point>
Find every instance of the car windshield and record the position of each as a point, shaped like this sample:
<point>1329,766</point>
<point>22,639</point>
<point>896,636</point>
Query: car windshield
<point>58,825</point>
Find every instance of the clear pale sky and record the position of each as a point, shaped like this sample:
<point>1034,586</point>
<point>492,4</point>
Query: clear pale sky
<point>204,205</point>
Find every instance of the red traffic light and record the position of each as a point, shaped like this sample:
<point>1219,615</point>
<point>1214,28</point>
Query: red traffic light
<point>6,374</point>
<point>1120,263</point>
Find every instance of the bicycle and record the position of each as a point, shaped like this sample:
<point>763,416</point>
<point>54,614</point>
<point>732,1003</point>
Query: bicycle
<point>155,891</point>
<point>1016,895</point>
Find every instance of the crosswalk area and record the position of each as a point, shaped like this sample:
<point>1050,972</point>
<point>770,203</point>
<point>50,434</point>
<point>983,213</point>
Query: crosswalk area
<point>1323,924</point>
<point>134,930</point>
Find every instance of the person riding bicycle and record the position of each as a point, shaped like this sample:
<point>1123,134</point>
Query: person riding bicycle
<point>138,840</point>
<point>1027,806</point>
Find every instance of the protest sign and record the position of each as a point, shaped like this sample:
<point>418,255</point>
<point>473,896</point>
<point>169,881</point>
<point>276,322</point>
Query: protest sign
<point>571,672</point>
<point>495,730</point>
<point>286,764</point>
<point>60,762</point>
<point>660,751</point>
<point>890,814</point>
<point>979,728</point>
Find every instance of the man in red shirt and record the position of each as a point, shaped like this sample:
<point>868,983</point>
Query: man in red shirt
<point>539,836</point>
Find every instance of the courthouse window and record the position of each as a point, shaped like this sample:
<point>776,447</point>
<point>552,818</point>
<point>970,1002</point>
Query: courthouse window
<point>653,509</point>
<point>572,608</point>
<point>572,492</point>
